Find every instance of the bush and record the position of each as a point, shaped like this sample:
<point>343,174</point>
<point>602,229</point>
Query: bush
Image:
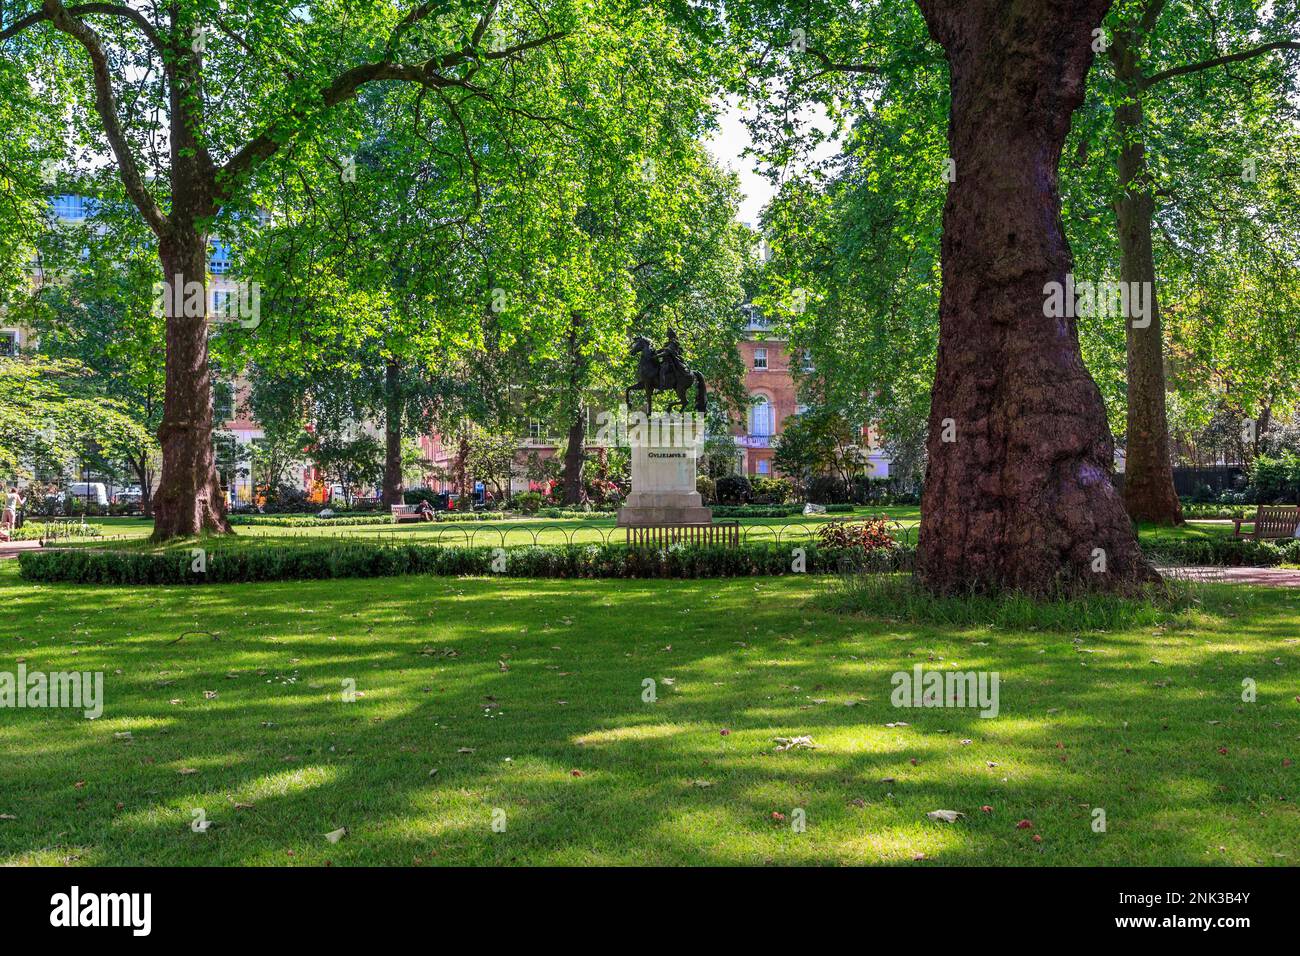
<point>869,535</point>
<point>825,490</point>
<point>35,530</point>
<point>707,488</point>
<point>1276,480</point>
<point>770,491</point>
<point>733,490</point>
<point>528,502</point>
<point>770,511</point>
<point>308,521</point>
<point>286,500</point>
<point>1219,551</point>
<point>367,559</point>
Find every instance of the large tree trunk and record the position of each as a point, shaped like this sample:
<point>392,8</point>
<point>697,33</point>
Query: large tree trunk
<point>140,466</point>
<point>392,434</point>
<point>1018,491</point>
<point>1149,491</point>
<point>574,458</point>
<point>575,454</point>
<point>189,499</point>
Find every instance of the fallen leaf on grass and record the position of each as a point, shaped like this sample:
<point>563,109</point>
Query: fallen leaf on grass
<point>335,835</point>
<point>945,816</point>
<point>804,742</point>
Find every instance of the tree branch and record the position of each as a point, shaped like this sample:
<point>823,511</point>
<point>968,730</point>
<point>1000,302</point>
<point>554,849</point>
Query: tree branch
<point>347,84</point>
<point>81,9</point>
<point>1163,75</point>
<point>106,106</point>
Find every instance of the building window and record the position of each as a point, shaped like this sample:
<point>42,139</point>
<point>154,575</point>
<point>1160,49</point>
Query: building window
<point>805,360</point>
<point>536,430</point>
<point>221,304</point>
<point>761,418</point>
<point>8,343</point>
<point>219,262</point>
<point>72,208</point>
<point>800,409</point>
<point>764,466</point>
<point>223,401</point>
<point>760,358</point>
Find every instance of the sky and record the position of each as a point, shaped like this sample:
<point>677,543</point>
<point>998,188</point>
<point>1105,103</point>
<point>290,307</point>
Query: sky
<point>727,146</point>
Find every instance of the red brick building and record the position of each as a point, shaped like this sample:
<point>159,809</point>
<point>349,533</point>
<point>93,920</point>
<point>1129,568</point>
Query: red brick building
<point>770,383</point>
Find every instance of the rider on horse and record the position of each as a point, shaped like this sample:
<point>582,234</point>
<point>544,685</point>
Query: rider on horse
<point>671,364</point>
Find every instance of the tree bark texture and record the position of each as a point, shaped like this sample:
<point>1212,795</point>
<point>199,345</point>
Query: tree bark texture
<point>1018,492</point>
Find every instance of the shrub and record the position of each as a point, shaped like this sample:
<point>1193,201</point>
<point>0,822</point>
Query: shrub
<point>528,502</point>
<point>1219,551</point>
<point>35,530</point>
<point>770,491</point>
<point>286,500</point>
<point>825,490</point>
<point>707,488</point>
<point>733,490</point>
<point>367,559</point>
<point>1276,479</point>
<point>770,511</point>
<point>308,521</point>
<point>869,535</point>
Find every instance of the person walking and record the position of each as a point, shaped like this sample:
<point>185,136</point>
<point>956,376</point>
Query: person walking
<point>12,500</point>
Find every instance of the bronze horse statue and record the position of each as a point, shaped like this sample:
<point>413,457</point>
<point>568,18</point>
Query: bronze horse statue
<point>664,371</point>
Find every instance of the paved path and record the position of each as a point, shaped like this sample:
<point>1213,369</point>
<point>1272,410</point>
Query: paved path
<point>10,549</point>
<point>1268,577</point>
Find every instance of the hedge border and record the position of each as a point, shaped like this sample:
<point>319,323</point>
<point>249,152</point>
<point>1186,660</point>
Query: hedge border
<point>366,560</point>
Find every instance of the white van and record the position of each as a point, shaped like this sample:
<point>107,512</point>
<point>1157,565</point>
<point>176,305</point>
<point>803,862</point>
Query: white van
<point>88,491</point>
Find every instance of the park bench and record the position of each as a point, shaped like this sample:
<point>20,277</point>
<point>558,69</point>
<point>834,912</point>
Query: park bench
<point>724,534</point>
<point>406,513</point>
<point>1271,521</point>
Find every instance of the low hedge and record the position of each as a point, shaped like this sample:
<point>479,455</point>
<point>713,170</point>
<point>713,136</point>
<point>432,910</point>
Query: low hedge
<point>35,530</point>
<point>365,560</point>
<point>308,521</point>
<point>1193,511</point>
<point>1223,551</point>
<point>771,511</point>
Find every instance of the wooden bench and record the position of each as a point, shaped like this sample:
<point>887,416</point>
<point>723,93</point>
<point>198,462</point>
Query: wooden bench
<point>1271,521</point>
<point>406,513</point>
<point>725,534</point>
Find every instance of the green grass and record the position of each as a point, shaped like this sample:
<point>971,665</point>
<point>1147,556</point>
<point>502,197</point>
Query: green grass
<point>1088,719</point>
<point>134,532</point>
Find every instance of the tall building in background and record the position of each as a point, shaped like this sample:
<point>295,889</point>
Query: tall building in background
<point>770,384</point>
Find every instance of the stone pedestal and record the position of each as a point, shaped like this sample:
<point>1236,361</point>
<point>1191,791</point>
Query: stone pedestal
<point>663,487</point>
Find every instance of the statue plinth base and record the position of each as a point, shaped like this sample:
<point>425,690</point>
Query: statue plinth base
<point>663,488</point>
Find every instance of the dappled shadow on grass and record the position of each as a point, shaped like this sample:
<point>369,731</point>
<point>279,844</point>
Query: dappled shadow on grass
<point>898,597</point>
<point>547,678</point>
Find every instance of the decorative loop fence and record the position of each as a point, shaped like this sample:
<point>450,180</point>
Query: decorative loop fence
<point>532,533</point>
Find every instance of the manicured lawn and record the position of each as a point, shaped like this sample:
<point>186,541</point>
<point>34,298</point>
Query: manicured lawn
<point>133,532</point>
<point>526,697</point>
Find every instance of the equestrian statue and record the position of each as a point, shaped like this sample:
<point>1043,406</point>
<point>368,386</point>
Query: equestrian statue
<point>664,370</point>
